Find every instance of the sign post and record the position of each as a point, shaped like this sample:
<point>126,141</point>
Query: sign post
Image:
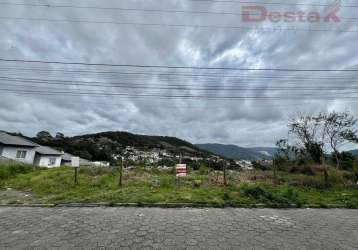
<point>181,170</point>
<point>75,162</point>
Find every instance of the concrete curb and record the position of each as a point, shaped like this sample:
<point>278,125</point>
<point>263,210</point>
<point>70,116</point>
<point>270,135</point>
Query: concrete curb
<point>178,205</point>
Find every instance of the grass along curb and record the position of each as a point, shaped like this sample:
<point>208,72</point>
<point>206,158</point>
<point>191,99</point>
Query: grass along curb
<point>179,205</point>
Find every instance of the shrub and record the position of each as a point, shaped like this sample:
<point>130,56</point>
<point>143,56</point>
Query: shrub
<point>259,166</point>
<point>11,170</point>
<point>336,177</point>
<point>306,170</point>
<point>197,183</point>
<point>226,196</point>
<point>263,195</point>
<point>257,193</point>
<point>355,171</point>
<point>203,170</point>
<point>94,171</point>
<point>347,160</point>
<point>291,195</point>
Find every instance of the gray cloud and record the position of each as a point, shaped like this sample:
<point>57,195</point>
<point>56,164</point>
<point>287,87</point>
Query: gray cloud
<point>250,122</point>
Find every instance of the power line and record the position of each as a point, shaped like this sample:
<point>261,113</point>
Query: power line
<point>274,3</point>
<point>260,104</point>
<point>120,8</point>
<point>176,74</point>
<point>186,88</point>
<point>176,67</point>
<point>137,9</point>
<point>179,81</point>
<point>196,26</point>
<point>174,11</point>
<point>194,85</point>
<point>179,96</point>
<point>131,85</point>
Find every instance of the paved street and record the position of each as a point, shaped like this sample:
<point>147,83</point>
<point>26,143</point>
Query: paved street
<point>155,228</point>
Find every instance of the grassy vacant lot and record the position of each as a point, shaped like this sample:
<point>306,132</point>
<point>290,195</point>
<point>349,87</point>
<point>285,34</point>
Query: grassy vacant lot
<point>154,186</point>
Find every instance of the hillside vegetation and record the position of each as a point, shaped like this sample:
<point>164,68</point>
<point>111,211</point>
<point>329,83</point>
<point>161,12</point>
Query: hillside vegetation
<point>102,146</point>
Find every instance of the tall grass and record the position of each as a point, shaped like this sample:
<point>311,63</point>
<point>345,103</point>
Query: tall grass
<point>12,169</point>
<point>199,187</point>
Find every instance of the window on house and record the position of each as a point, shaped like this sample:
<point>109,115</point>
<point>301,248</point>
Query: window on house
<point>52,162</point>
<point>21,154</point>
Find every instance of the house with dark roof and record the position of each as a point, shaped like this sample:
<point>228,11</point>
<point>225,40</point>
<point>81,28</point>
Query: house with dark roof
<point>20,149</point>
<point>17,148</point>
<point>47,157</point>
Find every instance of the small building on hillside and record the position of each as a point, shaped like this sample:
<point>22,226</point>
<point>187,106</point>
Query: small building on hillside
<point>245,165</point>
<point>17,148</point>
<point>47,157</point>
<point>100,164</point>
<point>67,160</point>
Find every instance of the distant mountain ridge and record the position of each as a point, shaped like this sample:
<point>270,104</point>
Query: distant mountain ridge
<point>236,152</point>
<point>354,152</point>
<point>242,153</point>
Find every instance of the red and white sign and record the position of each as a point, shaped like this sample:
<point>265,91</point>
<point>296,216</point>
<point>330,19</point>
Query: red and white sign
<point>180,170</point>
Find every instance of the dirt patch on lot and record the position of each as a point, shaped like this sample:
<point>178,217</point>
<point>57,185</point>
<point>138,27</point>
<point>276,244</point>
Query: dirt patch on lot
<point>12,196</point>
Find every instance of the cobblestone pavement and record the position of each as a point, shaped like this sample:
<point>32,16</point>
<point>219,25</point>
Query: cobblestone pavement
<point>155,228</point>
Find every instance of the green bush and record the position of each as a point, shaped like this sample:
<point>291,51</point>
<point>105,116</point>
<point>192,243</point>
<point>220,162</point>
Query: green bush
<point>203,170</point>
<point>338,178</point>
<point>11,170</point>
<point>347,160</point>
<point>306,170</point>
<point>197,183</point>
<point>291,195</point>
<point>257,193</point>
<point>259,166</point>
<point>226,196</point>
<point>262,195</point>
<point>355,171</point>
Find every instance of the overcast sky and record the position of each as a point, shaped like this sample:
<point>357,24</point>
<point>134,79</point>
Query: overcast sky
<point>253,121</point>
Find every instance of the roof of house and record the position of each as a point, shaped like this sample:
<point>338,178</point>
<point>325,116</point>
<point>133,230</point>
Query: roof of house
<point>7,139</point>
<point>43,150</point>
<point>67,157</point>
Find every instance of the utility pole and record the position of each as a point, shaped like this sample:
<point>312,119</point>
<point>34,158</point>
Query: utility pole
<point>121,172</point>
<point>76,174</point>
<point>224,168</point>
<point>274,171</point>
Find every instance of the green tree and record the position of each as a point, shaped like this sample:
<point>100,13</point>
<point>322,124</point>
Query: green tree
<point>310,132</point>
<point>44,135</point>
<point>340,129</point>
<point>59,136</point>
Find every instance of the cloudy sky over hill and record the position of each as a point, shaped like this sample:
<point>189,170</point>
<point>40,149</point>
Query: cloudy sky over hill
<point>213,102</point>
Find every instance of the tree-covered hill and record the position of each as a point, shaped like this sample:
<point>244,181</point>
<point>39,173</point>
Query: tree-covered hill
<point>102,146</point>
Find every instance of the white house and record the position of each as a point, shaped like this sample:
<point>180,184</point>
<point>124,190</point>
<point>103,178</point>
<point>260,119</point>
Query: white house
<point>47,157</point>
<point>17,148</point>
<point>22,150</point>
